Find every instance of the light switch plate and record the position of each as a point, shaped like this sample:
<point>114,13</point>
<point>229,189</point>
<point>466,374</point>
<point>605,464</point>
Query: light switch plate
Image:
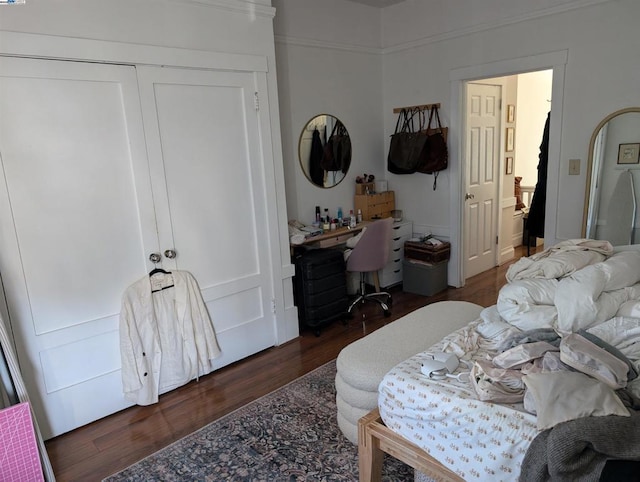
<point>574,167</point>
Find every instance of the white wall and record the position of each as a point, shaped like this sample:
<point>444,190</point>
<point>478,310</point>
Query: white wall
<point>422,49</point>
<point>328,63</point>
<point>421,74</point>
<point>421,44</point>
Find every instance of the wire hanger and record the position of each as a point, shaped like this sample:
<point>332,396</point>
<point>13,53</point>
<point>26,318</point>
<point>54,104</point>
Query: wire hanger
<point>158,270</point>
<point>155,259</point>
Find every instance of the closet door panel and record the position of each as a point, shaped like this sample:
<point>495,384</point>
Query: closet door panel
<point>76,224</point>
<point>206,168</point>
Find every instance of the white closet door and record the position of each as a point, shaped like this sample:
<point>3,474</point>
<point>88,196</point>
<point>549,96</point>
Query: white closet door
<point>76,226</point>
<point>208,179</point>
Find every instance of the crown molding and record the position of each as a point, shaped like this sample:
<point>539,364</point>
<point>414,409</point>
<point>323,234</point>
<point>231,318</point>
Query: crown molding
<point>261,8</point>
<point>576,4</point>
<point>303,42</point>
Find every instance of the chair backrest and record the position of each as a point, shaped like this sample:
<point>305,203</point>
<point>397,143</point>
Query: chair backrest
<point>373,250</point>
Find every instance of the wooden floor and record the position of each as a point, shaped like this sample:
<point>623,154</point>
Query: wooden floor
<point>99,449</point>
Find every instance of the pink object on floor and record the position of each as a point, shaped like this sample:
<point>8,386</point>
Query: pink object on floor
<point>19,457</point>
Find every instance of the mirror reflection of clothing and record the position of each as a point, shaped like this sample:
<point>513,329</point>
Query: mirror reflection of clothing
<point>316,173</point>
<point>621,213</point>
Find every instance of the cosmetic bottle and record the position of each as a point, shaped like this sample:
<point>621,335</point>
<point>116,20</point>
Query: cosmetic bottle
<point>352,219</point>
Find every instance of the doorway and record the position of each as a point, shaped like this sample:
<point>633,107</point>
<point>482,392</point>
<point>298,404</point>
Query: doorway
<point>554,61</point>
<point>504,124</point>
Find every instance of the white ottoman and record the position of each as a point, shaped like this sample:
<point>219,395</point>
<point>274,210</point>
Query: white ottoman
<point>362,364</point>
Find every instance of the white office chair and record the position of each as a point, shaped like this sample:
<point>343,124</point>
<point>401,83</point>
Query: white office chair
<point>368,256</point>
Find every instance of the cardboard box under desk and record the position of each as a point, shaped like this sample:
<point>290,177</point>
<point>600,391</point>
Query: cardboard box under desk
<point>427,252</point>
<point>422,278</point>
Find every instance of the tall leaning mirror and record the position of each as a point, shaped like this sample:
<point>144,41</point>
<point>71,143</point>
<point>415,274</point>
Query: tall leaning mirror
<point>324,150</point>
<point>613,177</point>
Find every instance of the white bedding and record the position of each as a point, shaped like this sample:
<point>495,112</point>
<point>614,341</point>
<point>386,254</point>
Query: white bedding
<point>476,440</point>
<point>583,285</point>
<point>578,298</point>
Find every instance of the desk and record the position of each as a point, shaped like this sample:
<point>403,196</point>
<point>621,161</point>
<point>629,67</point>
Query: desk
<point>338,236</point>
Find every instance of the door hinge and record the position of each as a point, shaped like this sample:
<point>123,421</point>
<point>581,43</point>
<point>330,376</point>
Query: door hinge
<point>497,240</point>
<point>273,305</point>
<point>256,99</point>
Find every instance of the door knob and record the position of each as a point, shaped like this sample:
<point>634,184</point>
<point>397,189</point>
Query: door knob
<point>468,196</point>
<point>155,258</point>
<point>170,253</point>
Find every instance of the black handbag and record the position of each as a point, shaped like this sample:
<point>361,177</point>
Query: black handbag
<point>435,155</point>
<point>406,145</point>
<point>337,150</point>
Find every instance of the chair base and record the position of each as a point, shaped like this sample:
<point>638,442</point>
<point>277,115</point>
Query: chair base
<point>363,296</point>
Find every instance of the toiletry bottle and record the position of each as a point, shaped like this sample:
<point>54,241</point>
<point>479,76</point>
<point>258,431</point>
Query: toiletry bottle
<point>359,215</point>
<point>327,219</point>
<point>318,215</point>
<point>352,219</point>
<point>339,217</point>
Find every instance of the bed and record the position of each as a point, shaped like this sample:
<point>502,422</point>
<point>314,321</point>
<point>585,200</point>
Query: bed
<point>443,429</point>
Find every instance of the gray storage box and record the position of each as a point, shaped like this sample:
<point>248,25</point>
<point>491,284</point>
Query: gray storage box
<point>424,278</point>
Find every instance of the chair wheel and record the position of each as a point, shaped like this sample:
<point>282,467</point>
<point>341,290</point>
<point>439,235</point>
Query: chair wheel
<point>387,313</point>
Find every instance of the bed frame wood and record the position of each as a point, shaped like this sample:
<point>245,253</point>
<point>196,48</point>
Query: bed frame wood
<point>375,439</point>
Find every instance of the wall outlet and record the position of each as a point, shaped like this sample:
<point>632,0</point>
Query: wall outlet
<point>574,167</point>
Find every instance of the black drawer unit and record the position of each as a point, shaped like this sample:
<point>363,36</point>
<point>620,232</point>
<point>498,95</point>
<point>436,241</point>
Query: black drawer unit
<point>320,287</point>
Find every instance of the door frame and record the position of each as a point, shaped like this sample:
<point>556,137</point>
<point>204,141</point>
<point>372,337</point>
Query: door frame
<point>555,61</point>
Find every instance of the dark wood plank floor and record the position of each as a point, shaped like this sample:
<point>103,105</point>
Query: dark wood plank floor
<point>101,448</point>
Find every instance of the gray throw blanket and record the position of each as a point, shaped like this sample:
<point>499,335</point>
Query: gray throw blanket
<point>577,450</point>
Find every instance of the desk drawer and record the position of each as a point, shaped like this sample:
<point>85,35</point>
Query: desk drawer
<point>391,274</point>
<point>334,241</point>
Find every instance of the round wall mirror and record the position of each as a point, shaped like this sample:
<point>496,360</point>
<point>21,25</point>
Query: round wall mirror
<point>324,150</point>
<point>613,179</point>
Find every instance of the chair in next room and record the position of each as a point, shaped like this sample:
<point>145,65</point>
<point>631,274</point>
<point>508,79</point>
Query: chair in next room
<point>368,256</point>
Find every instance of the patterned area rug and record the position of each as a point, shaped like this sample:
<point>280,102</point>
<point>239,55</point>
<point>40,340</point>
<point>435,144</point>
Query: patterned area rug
<point>290,435</point>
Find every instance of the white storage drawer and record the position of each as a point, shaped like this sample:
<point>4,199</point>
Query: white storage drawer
<point>391,274</point>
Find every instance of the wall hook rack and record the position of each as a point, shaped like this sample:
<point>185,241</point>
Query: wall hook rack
<point>397,110</point>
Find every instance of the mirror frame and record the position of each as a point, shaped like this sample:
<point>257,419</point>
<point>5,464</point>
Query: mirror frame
<point>300,161</point>
<point>589,166</point>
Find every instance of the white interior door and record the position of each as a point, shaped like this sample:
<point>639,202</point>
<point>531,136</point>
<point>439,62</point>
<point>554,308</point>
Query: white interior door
<point>76,224</point>
<point>482,147</point>
<point>209,191</point>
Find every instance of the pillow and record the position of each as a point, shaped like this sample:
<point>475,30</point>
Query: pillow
<point>563,396</point>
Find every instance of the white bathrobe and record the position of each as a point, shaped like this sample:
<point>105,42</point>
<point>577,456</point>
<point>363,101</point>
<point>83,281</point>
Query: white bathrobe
<point>166,337</point>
